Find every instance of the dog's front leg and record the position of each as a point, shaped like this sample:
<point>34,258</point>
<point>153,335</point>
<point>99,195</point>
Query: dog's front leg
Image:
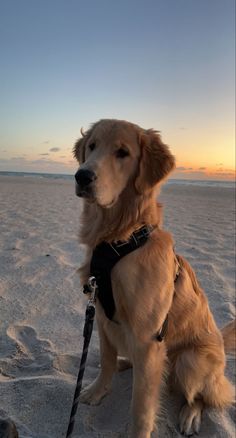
<point>147,368</point>
<point>94,392</point>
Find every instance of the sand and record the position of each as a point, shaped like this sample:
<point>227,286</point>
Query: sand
<point>42,307</point>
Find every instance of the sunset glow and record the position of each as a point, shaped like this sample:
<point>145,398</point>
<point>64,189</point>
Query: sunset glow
<point>168,69</point>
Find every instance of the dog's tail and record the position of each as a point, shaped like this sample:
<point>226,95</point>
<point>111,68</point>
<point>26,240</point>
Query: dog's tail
<point>229,335</point>
<point>229,331</point>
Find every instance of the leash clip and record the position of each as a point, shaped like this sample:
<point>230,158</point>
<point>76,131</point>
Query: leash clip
<point>92,284</point>
<point>91,288</point>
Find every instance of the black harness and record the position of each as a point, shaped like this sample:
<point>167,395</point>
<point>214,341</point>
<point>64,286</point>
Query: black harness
<point>104,258</point>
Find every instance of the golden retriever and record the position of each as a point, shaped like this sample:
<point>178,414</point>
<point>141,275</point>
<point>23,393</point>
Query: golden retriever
<point>122,166</point>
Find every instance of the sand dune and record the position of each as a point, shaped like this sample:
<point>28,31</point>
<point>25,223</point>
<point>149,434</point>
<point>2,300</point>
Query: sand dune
<point>42,307</point>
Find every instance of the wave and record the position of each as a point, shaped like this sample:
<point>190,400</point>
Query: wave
<point>203,183</point>
<point>194,182</point>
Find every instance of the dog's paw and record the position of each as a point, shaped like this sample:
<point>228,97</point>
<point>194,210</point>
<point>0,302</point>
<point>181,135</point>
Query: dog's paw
<point>93,393</point>
<point>190,418</point>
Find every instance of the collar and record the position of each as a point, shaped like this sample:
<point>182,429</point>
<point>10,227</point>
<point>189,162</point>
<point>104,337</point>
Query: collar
<point>137,239</point>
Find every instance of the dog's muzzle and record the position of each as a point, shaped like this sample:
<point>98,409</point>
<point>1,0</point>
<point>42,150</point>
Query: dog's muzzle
<point>83,182</point>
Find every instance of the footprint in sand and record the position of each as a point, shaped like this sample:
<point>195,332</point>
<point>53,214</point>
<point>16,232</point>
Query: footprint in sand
<point>28,355</point>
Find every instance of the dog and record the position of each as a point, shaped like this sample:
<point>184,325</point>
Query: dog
<point>121,169</point>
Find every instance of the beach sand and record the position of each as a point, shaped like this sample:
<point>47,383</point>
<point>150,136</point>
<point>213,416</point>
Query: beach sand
<point>42,307</point>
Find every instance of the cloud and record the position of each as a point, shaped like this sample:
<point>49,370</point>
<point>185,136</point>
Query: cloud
<point>195,173</point>
<point>203,173</point>
<point>18,159</point>
<point>46,162</point>
<point>43,164</point>
<point>46,142</point>
<point>225,170</point>
<point>182,168</point>
<point>229,174</point>
<point>45,154</point>
<point>189,175</point>
<point>54,149</point>
<point>13,161</point>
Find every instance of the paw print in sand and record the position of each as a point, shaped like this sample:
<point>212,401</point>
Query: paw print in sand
<point>27,353</point>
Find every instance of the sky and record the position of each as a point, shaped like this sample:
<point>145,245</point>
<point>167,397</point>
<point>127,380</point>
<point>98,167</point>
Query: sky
<point>163,64</point>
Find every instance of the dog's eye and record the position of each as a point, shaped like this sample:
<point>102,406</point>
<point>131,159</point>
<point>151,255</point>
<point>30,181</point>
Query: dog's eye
<point>92,146</point>
<point>122,153</point>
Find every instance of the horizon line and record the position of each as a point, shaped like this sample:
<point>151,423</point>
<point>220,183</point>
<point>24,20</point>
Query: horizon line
<point>5,172</point>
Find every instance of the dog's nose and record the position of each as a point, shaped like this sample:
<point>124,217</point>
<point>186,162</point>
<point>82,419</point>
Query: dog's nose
<point>84,177</point>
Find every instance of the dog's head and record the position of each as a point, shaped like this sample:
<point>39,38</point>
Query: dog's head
<point>114,154</point>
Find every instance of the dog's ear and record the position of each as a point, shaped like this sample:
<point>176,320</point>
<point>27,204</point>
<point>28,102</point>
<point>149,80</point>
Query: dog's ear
<point>156,161</point>
<point>79,148</point>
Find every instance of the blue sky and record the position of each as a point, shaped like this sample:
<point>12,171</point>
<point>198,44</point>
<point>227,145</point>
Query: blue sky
<point>166,64</point>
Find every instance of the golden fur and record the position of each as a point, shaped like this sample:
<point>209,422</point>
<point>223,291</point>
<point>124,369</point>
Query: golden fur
<point>123,198</point>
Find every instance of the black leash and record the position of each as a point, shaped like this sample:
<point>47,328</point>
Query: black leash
<point>88,328</point>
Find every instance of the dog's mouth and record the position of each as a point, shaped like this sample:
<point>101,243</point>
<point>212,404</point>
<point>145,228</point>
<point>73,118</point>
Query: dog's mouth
<point>88,194</point>
<point>85,192</point>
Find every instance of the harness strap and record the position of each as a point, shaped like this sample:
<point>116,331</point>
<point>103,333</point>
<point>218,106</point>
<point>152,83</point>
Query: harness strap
<point>137,239</point>
<point>104,258</point>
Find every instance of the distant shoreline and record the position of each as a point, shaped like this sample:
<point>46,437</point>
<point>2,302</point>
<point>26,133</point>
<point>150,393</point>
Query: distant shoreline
<point>195,182</point>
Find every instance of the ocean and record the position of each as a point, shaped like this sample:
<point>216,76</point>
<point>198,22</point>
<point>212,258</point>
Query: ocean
<point>194,182</point>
